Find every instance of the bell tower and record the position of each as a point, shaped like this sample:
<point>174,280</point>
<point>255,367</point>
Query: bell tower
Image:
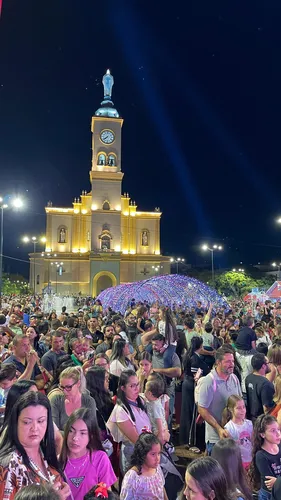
<point>106,179</point>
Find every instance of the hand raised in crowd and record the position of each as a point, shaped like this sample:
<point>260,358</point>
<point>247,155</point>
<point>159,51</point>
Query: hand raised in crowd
<point>32,358</point>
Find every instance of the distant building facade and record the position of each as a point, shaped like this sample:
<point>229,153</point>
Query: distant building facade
<point>102,240</point>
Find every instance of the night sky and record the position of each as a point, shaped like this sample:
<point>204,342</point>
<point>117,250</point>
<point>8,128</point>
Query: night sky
<point>198,84</point>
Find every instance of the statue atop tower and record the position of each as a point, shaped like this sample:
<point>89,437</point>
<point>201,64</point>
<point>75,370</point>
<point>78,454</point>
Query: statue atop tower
<point>108,82</point>
<point>107,106</point>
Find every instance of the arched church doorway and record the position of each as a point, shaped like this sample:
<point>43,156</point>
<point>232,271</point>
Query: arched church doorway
<point>103,280</point>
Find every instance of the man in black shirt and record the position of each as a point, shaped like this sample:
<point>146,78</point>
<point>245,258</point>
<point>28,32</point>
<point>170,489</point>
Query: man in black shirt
<point>246,340</point>
<point>260,390</point>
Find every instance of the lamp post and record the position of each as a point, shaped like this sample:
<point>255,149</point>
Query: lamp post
<point>274,264</point>
<point>49,256</point>
<point>234,270</point>
<point>34,240</point>
<point>177,261</point>
<point>5,202</point>
<point>59,271</point>
<point>212,250</point>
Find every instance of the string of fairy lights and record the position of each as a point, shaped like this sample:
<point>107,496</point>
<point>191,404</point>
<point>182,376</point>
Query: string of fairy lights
<point>168,290</point>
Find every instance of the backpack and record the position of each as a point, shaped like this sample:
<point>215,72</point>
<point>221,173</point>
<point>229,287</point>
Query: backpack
<point>199,383</point>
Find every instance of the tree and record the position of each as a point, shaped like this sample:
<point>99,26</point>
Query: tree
<point>234,284</point>
<point>15,286</point>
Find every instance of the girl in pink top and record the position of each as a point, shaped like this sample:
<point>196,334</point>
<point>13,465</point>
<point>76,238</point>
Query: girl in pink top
<point>82,458</point>
<point>145,479</point>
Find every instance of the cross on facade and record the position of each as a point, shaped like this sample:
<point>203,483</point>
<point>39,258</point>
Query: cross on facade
<point>145,271</point>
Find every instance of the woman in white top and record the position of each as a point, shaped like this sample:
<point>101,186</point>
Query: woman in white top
<point>128,417</point>
<point>118,359</point>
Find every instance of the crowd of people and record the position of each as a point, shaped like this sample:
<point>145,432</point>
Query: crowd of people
<point>93,401</point>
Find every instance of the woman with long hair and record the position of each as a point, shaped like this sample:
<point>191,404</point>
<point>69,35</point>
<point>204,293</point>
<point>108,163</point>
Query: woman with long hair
<point>145,368</point>
<point>97,380</point>
<point>28,453</point>
<point>266,453</point>
<point>274,360</point>
<point>205,480</point>
<point>82,457</point>
<point>194,366</point>
<point>17,389</point>
<point>227,453</point>
<point>128,417</point>
<point>73,396</point>
<point>119,360</point>
<point>276,411</point>
<point>142,315</point>
<point>167,328</point>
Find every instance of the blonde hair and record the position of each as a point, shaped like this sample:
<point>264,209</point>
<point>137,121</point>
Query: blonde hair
<point>227,413</point>
<point>76,373</point>
<point>277,385</point>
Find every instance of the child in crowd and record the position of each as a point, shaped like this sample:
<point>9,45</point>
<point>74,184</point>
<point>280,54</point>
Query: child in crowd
<point>102,492</point>
<point>154,390</point>
<point>88,351</point>
<point>239,428</point>
<point>145,479</point>
<point>265,467</point>
<point>227,453</point>
<point>82,458</point>
<point>8,377</point>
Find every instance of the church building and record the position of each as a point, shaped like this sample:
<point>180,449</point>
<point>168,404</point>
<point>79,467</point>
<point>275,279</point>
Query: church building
<point>102,240</point>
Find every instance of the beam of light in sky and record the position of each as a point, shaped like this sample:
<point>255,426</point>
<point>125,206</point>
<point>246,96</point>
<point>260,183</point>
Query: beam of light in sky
<point>219,131</point>
<point>128,32</point>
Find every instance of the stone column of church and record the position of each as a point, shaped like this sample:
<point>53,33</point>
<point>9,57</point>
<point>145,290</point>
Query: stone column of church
<point>124,231</point>
<point>157,236</point>
<point>76,232</point>
<point>49,243</point>
<point>83,232</point>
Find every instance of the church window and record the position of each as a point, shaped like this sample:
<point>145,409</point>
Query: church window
<point>106,205</point>
<point>105,242</point>
<point>111,160</point>
<point>101,159</point>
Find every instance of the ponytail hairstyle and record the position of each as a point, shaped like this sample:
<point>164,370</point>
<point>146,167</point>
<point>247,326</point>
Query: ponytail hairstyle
<point>76,373</point>
<point>257,440</point>
<point>227,413</point>
<point>170,325</point>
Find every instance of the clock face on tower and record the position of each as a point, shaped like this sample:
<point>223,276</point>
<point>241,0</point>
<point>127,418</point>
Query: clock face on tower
<point>107,136</point>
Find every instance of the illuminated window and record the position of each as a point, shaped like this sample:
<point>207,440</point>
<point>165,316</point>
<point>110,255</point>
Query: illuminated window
<point>106,205</point>
<point>101,159</point>
<point>111,160</point>
<point>105,242</point>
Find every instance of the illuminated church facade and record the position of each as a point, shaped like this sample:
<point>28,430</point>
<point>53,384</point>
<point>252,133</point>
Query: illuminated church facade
<point>103,239</point>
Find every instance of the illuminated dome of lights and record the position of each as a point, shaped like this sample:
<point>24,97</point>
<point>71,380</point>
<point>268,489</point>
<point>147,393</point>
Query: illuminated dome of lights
<point>167,290</point>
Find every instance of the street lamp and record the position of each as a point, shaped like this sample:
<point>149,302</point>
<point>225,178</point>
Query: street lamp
<point>274,264</point>
<point>238,270</point>
<point>177,261</point>
<point>5,202</point>
<point>59,271</point>
<point>212,250</point>
<point>34,240</point>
